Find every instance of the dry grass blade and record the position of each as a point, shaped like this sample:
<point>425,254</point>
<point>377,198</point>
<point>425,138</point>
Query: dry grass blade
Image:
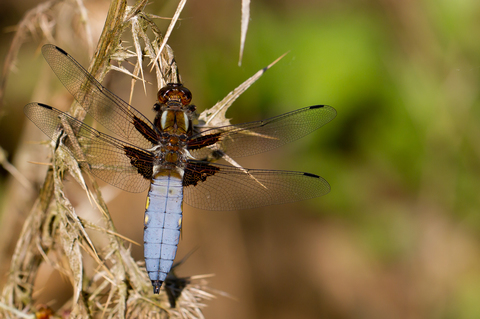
<point>160,55</point>
<point>175,17</point>
<point>215,116</point>
<point>84,20</point>
<point>15,312</point>
<point>13,170</point>
<point>244,27</point>
<point>31,21</point>
<point>136,30</point>
<point>37,24</point>
<point>17,292</point>
<point>93,226</point>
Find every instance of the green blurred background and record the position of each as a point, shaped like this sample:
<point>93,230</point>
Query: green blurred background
<point>398,236</point>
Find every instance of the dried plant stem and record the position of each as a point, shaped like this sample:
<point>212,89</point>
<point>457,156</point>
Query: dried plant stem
<point>120,287</point>
<point>37,237</point>
<point>107,45</point>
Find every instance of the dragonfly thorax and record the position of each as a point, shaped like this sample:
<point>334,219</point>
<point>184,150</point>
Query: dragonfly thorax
<point>171,152</point>
<point>174,122</point>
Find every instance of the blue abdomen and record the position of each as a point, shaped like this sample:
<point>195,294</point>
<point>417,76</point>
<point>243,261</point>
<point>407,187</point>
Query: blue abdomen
<point>163,221</point>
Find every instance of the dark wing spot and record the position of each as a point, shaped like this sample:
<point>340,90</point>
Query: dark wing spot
<point>61,51</point>
<point>45,106</point>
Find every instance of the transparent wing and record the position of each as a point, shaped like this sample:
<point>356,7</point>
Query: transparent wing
<point>104,106</point>
<point>113,161</point>
<point>256,137</point>
<point>221,187</point>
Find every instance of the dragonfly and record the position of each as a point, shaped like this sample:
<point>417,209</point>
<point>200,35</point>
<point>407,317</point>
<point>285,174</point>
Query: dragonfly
<point>172,157</point>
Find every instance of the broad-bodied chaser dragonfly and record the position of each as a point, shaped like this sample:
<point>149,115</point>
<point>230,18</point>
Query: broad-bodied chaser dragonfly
<point>172,158</point>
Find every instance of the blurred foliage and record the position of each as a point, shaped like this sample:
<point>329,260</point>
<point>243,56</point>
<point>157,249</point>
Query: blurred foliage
<point>404,79</point>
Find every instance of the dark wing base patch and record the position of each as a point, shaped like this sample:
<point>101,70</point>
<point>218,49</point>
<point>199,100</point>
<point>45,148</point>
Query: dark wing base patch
<point>198,172</point>
<point>145,130</point>
<point>141,160</point>
<point>203,141</point>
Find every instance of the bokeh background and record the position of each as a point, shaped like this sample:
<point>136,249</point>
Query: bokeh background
<point>397,237</point>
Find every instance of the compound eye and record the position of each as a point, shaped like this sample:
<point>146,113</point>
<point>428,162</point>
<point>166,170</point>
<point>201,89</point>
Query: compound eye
<point>162,94</point>
<point>185,95</point>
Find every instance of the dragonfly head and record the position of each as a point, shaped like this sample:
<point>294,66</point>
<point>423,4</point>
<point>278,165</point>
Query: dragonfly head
<point>174,93</point>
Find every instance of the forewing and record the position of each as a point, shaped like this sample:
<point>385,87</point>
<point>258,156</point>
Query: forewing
<point>121,164</point>
<point>104,106</point>
<point>221,187</point>
<point>256,137</point>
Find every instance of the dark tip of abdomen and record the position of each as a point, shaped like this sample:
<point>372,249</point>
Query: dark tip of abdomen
<point>157,284</point>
